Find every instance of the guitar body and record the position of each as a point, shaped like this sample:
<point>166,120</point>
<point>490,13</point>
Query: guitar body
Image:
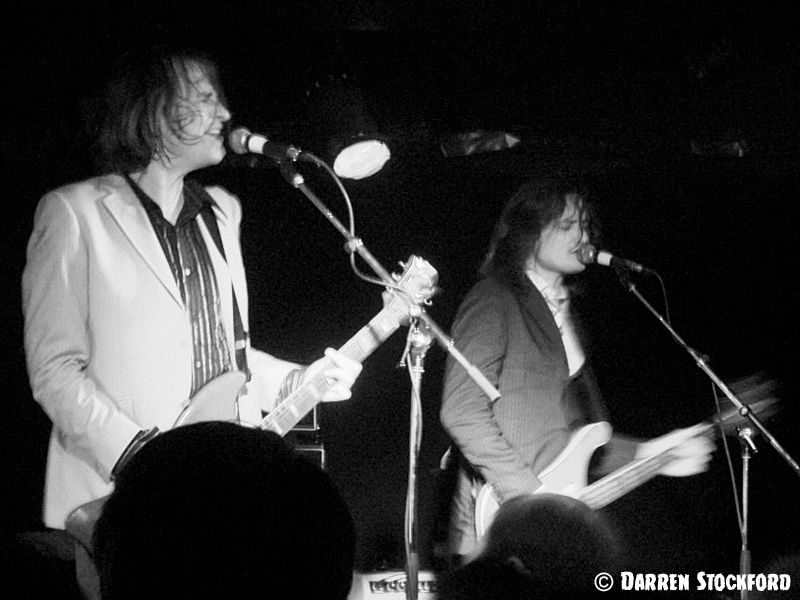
<point>215,401</point>
<point>80,525</point>
<point>567,474</point>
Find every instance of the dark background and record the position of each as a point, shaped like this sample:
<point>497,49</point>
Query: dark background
<point>682,118</point>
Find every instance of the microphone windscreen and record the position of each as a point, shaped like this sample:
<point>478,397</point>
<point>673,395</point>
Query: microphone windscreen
<point>587,254</point>
<point>237,140</point>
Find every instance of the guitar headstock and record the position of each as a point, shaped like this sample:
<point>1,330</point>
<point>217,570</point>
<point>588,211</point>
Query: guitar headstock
<point>414,287</point>
<point>757,394</point>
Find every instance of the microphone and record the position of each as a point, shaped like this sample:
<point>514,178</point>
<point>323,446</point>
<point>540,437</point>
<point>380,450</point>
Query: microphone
<point>588,255</point>
<point>241,141</point>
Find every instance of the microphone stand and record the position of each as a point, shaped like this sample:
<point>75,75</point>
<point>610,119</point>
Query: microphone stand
<point>419,340</point>
<point>355,244</point>
<point>702,362</point>
<point>746,440</point>
<point>744,410</point>
<point>420,337</point>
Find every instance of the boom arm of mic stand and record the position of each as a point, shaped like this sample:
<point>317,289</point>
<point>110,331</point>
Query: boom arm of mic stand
<point>355,244</point>
<point>702,362</point>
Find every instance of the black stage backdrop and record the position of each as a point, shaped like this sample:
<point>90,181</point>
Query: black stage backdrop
<point>682,120</point>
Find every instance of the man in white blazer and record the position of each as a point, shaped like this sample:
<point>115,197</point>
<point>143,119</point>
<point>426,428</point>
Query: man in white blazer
<point>113,346</point>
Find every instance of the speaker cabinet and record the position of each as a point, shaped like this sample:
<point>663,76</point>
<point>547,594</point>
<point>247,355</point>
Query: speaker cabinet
<point>306,438</point>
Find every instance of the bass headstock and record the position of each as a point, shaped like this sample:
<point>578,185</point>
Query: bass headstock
<point>758,396</point>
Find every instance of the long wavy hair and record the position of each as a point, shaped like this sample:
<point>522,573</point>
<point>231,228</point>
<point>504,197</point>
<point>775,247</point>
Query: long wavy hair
<point>533,207</point>
<point>142,94</point>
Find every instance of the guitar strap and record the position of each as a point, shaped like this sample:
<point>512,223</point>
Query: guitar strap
<point>240,335</point>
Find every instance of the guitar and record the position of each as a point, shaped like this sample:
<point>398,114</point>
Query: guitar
<point>216,401</point>
<point>567,474</point>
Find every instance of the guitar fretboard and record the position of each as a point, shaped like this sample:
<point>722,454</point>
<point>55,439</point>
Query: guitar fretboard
<point>612,487</point>
<point>300,402</point>
<point>615,485</point>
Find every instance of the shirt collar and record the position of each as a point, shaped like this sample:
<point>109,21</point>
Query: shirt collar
<point>551,293</point>
<point>195,199</point>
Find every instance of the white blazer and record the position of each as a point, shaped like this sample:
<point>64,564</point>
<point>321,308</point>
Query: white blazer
<point>107,338</point>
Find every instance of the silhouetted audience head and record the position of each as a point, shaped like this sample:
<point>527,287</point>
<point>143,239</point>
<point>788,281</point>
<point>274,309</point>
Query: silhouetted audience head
<point>538,546</point>
<point>487,578</point>
<point>223,511</point>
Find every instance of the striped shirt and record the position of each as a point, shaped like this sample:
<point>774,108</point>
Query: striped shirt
<point>188,258</point>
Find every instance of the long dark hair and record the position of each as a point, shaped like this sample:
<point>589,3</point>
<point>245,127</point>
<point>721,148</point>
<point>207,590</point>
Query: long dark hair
<point>144,89</point>
<point>533,206</point>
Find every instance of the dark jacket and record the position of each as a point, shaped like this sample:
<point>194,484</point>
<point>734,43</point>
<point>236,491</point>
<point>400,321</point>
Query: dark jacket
<point>511,336</point>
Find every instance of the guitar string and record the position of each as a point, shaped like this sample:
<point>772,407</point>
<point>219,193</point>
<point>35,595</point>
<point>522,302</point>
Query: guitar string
<point>612,487</point>
<point>282,418</point>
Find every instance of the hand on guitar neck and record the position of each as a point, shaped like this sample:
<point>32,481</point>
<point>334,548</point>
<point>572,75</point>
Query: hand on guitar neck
<point>339,370</point>
<point>690,447</point>
<point>340,373</point>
